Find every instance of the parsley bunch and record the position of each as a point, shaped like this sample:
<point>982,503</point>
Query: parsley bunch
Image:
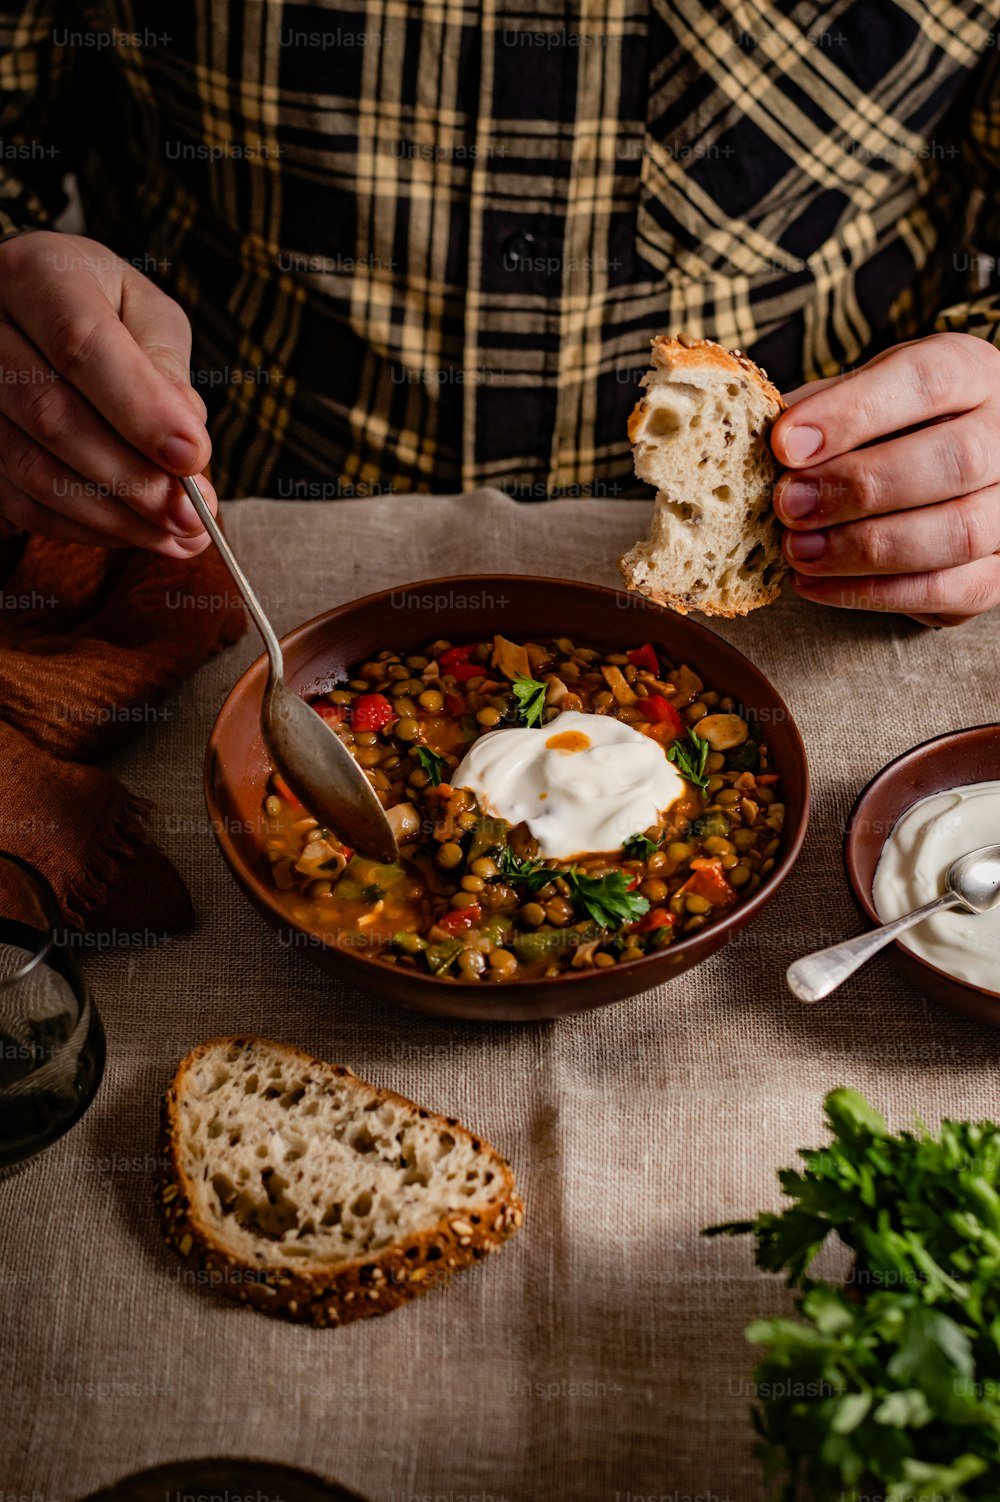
<point>891,1380</point>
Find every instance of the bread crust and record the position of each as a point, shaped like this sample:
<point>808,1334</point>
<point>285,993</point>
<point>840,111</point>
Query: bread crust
<point>334,1293</point>
<point>765,596</point>
<point>685,353</point>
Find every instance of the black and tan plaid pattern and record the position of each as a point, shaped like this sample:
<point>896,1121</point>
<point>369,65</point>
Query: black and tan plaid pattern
<point>424,246</point>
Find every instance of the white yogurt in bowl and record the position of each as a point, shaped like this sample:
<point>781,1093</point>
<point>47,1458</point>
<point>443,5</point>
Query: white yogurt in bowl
<point>911,871</point>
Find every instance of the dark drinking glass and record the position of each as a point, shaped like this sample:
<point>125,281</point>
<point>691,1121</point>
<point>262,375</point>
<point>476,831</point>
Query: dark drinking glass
<point>51,1038</point>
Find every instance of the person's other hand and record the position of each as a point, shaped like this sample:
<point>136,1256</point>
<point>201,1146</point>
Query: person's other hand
<point>96,400</point>
<point>892,493</point>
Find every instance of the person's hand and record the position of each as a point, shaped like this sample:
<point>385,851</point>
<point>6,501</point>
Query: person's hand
<point>95,400</point>
<point>892,496</point>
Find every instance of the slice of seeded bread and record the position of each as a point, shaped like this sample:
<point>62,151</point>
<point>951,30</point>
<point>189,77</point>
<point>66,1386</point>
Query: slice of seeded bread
<point>700,436</point>
<point>295,1187</point>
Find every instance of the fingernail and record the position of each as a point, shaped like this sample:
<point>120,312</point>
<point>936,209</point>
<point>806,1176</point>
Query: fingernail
<point>182,517</point>
<point>807,546</point>
<point>798,499</point>
<point>801,442</point>
<point>179,454</point>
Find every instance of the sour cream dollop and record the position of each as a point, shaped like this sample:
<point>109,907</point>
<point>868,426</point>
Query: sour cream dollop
<point>582,783</point>
<point>912,870</point>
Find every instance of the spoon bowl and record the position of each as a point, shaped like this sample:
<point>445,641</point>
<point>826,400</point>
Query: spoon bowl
<point>972,882</point>
<point>313,760</point>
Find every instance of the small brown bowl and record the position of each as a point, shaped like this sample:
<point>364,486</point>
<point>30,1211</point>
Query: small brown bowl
<point>948,761</point>
<point>318,653</point>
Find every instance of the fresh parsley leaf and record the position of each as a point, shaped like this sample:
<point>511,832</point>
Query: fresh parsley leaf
<point>606,899</point>
<point>433,764</point>
<point>638,848</point>
<point>691,764</point>
<point>530,696</point>
<point>531,876</point>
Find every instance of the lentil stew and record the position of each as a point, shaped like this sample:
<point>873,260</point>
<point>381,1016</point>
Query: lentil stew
<point>469,898</point>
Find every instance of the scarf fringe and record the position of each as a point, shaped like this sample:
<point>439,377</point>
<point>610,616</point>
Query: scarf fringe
<point>89,893</point>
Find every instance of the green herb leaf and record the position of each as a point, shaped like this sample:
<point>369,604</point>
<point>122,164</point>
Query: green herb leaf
<point>745,758</point>
<point>895,1374</point>
<point>530,696</point>
<point>530,875</point>
<point>606,899</point>
<point>638,848</point>
<point>691,764</point>
<point>434,765</point>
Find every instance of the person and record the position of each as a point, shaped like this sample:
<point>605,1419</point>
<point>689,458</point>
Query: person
<point>426,250</point>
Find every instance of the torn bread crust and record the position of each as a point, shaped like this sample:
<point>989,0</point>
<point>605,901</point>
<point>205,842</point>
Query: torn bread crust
<point>440,1229</point>
<point>700,436</point>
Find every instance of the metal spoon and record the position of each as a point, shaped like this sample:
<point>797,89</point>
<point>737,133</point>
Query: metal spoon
<point>973,882</point>
<point>314,761</point>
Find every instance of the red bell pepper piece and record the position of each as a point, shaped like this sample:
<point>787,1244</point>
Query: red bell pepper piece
<point>334,714</point>
<point>463,671</point>
<point>371,712</point>
<point>644,657</point>
<point>657,917</point>
<point>660,710</point>
<point>459,918</point>
<point>454,655</point>
<point>284,791</point>
<point>710,882</point>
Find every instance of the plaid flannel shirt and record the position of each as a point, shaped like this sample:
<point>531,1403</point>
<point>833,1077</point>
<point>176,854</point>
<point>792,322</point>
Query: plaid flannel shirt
<point>425,246</point>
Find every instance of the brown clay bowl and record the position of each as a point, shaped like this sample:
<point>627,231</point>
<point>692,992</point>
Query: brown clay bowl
<point>317,654</point>
<point>949,761</point>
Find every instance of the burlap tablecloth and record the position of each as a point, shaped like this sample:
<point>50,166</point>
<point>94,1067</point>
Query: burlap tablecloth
<point>600,1357</point>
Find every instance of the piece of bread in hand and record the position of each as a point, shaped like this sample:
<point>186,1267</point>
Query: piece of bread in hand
<point>700,435</point>
<point>295,1187</point>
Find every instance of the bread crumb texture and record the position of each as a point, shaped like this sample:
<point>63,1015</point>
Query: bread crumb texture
<point>309,1193</point>
<point>700,436</point>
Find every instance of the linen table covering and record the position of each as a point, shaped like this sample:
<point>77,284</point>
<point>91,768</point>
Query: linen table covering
<point>600,1355</point>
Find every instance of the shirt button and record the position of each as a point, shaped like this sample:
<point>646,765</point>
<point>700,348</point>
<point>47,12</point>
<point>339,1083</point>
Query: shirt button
<point>517,248</point>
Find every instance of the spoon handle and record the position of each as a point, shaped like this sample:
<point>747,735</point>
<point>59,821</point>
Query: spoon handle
<point>251,601</point>
<point>816,975</point>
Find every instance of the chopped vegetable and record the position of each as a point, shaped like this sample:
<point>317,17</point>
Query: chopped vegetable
<point>745,758</point>
<point>442,955</point>
<point>531,875</point>
<point>334,714</point>
<point>606,899</point>
<point>511,658</point>
<point>887,1385</point>
<point>489,835</point>
<point>433,764</point>
<point>619,685</point>
<point>372,712</point>
<point>460,917</point>
<point>455,655</point>
<point>660,711</point>
<point>691,764</point>
<point>530,696</point>
<point>638,848</point>
<point>657,917</point>
<point>644,657</point>
<point>463,671</point>
<point>709,881</point>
